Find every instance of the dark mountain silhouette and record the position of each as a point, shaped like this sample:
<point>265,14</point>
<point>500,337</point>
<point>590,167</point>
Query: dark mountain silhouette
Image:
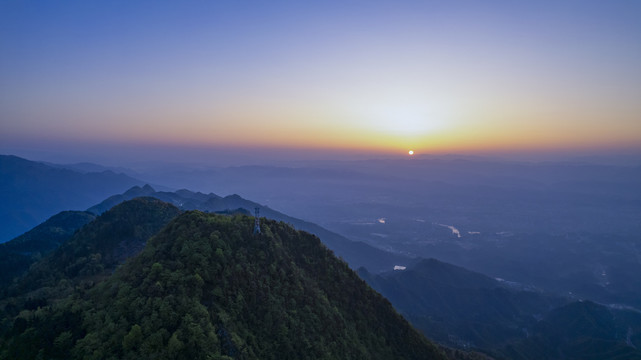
<point>457,306</point>
<point>356,253</point>
<point>32,192</point>
<point>18,254</point>
<point>96,249</point>
<point>206,287</point>
<point>462,308</point>
<point>582,330</point>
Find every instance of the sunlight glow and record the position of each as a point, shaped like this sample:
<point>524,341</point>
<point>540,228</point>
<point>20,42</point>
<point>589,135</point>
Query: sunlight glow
<point>455,81</point>
<point>408,121</point>
<point>403,117</point>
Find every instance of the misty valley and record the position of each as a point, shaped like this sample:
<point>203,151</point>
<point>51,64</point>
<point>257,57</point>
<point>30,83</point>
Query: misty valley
<point>486,258</point>
<point>571,228</point>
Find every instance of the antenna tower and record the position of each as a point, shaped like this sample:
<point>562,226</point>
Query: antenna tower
<point>256,221</point>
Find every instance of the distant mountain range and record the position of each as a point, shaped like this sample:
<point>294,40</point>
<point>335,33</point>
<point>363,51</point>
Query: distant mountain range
<point>17,255</point>
<point>357,254</point>
<point>32,192</point>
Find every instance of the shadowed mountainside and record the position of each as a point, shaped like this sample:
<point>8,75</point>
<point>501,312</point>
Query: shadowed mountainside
<point>96,249</point>
<point>207,287</point>
<point>465,309</point>
<point>32,192</point>
<point>356,253</point>
<point>18,254</point>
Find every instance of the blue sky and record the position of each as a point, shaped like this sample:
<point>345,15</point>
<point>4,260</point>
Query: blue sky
<point>368,76</point>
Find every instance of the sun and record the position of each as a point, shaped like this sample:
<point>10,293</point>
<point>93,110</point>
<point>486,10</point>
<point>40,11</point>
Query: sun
<point>411,152</point>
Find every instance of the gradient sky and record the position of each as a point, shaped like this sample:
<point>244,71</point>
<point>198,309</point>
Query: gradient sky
<point>381,76</point>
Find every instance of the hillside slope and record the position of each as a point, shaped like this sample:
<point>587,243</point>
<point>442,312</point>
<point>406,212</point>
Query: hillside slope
<point>460,307</point>
<point>465,309</point>
<point>96,249</point>
<point>581,330</point>
<point>356,253</point>
<point>18,254</point>
<point>206,287</point>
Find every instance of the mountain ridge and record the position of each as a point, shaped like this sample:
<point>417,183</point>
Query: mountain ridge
<point>206,285</point>
<point>356,253</point>
<point>97,248</point>
<point>18,254</point>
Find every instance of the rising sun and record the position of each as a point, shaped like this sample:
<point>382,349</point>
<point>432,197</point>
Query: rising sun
<point>411,152</point>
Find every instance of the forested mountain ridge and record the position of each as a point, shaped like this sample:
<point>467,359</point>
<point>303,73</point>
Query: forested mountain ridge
<point>207,287</point>
<point>356,253</point>
<point>447,303</point>
<point>97,248</point>
<point>18,254</point>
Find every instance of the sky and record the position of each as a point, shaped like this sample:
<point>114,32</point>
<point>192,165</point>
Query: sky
<point>82,80</point>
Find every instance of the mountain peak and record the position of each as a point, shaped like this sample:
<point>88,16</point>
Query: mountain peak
<point>148,188</point>
<point>137,191</point>
<point>206,287</point>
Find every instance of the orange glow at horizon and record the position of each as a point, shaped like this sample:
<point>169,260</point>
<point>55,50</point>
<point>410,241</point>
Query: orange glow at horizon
<point>329,129</point>
<point>484,83</point>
